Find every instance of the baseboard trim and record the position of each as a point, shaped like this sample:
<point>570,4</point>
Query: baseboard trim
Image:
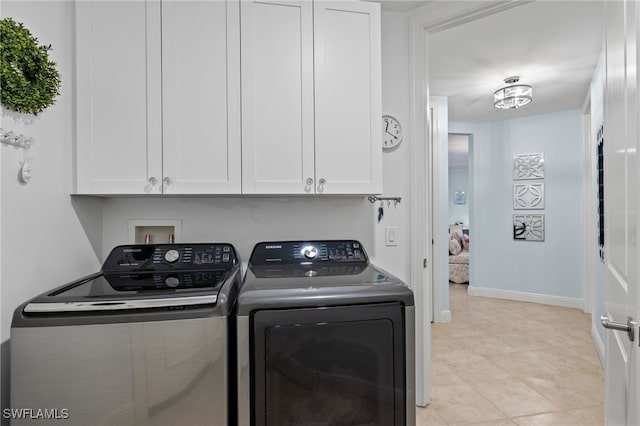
<point>598,343</point>
<point>445,316</point>
<point>520,296</point>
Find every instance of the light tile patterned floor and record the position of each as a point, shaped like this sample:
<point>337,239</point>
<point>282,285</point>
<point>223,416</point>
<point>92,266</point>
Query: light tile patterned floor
<point>500,362</point>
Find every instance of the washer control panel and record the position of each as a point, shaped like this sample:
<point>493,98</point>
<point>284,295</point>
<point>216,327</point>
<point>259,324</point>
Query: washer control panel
<point>308,252</point>
<point>170,257</point>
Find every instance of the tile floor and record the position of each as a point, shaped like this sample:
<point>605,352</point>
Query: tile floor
<point>500,362</point>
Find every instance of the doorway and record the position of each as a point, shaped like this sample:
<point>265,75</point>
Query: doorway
<point>424,25</point>
<point>460,200</point>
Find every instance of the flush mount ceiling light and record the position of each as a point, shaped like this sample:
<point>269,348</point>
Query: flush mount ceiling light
<point>513,95</point>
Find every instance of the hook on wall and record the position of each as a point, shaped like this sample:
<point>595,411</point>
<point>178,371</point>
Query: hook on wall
<point>19,142</point>
<point>395,200</point>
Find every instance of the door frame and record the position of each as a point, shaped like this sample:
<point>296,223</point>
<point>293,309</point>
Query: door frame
<point>429,19</point>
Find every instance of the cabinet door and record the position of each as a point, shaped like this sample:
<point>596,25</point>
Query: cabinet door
<point>118,97</point>
<point>348,151</point>
<point>277,96</point>
<point>201,96</point>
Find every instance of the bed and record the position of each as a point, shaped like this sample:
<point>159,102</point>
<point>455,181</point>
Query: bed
<point>458,254</point>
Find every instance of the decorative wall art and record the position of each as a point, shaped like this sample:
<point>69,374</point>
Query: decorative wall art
<point>528,227</point>
<point>528,196</point>
<point>528,166</point>
<point>459,197</point>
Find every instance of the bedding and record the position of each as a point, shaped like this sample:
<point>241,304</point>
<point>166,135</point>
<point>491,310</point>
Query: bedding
<point>458,255</point>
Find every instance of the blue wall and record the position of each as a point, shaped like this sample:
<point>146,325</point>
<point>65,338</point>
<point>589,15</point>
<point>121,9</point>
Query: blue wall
<point>459,181</point>
<point>553,267</point>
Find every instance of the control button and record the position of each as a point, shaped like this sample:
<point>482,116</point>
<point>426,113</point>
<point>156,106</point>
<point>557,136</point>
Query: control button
<point>226,248</point>
<point>172,281</point>
<point>310,252</point>
<point>172,256</point>
<point>356,245</point>
<point>356,253</point>
<point>225,257</point>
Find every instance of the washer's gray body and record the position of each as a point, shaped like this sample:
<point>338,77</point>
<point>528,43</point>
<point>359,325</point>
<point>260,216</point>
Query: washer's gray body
<point>145,342</point>
<point>283,290</point>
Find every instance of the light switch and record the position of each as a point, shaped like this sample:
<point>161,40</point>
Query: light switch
<point>391,236</point>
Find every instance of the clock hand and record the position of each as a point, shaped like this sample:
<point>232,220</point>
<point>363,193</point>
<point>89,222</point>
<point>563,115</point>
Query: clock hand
<point>386,129</point>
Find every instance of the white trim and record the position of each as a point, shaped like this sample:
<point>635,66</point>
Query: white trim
<point>521,296</point>
<point>432,195</point>
<point>420,280</point>
<point>589,206</point>
<point>598,344</point>
<point>445,316</point>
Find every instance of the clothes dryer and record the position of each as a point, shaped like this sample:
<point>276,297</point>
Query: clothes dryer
<point>324,338</point>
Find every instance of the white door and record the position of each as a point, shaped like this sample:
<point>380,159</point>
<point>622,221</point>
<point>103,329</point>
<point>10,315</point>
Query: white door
<point>201,97</point>
<point>348,97</point>
<point>622,190</point>
<point>277,97</point>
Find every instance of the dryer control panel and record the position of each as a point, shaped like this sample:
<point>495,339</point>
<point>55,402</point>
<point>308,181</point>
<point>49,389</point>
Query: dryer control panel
<point>170,257</point>
<point>308,252</point>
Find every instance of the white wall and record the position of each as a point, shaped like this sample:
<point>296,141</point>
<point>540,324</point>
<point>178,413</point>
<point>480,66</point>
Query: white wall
<point>43,240</point>
<point>396,173</point>
<point>244,221</point>
<point>459,181</point>
<point>554,267</point>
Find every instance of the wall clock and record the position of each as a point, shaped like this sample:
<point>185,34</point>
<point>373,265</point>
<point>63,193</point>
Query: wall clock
<point>391,132</point>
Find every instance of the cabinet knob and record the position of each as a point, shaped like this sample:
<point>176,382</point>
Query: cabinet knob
<point>309,185</point>
<point>152,181</point>
<point>167,181</point>
<point>322,182</point>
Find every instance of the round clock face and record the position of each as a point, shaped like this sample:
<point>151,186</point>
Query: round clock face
<point>391,132</point>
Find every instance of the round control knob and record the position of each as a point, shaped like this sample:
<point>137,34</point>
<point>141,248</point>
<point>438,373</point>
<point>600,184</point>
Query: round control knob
<point>172,282</point>
<point>310,252</point>
<point>172,256</point>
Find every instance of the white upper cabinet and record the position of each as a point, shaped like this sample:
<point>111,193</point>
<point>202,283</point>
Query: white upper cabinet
<point>158,99</point>
<point>277,97</point>
<point>118,75</point>
<point>348,114</point>
<point>201,97</point>
<point>311,97</point>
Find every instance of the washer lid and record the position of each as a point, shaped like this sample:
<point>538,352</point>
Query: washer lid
<point>113,292</point>
<point>277,287</point>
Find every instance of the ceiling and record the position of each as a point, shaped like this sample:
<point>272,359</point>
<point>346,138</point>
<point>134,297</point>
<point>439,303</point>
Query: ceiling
<point>552,45</point>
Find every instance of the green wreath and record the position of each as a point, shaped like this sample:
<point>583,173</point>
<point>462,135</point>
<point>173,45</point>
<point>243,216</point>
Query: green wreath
<point>29,81</point>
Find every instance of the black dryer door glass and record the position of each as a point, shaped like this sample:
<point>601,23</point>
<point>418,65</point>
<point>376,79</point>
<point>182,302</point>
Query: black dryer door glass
<point>329,366</point>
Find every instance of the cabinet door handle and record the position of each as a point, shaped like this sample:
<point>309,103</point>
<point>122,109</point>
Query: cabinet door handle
<point>167,181</point>
<point>309,185</point>
<point>322,182</point>
<point>152,181</point>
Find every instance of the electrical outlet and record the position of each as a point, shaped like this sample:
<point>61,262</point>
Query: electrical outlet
<point>391,236</point>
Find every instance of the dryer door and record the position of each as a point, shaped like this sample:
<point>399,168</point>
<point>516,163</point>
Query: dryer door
<point>332,365</point>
